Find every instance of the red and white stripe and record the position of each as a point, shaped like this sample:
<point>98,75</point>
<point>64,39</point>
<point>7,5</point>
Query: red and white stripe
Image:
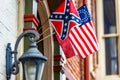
<point>83,39</point>
<point>73,66</point>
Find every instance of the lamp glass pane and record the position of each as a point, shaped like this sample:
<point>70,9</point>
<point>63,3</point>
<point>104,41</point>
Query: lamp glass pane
<point>30,70</point>
<point>40,70</point>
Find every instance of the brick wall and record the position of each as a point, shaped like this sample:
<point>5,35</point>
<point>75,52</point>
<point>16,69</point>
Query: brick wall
<point>8,30</point>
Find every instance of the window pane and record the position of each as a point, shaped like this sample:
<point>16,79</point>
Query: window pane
<point>111,56</point>
<point>109,16</point>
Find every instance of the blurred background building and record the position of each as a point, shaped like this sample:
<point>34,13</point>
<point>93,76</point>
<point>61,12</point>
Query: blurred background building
<point>16,15</point>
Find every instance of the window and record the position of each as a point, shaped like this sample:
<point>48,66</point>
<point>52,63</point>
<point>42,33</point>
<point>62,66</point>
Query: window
<point>111,56</point>
<point>108,16</point>
<point>111,43</point>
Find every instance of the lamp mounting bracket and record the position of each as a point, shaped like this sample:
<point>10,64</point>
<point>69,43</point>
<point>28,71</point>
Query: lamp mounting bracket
<point>11,56</point>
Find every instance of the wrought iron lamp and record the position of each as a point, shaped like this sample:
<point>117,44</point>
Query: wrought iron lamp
<point>32,60</point>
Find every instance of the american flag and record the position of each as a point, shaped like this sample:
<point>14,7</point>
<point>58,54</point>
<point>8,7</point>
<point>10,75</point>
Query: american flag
<point>82,37</point>
<point>64,18</point>
<point>72,68</point>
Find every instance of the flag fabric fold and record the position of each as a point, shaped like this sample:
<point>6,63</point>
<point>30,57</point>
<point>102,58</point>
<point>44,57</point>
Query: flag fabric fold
<point>72,68</point>
<point>66,47</point>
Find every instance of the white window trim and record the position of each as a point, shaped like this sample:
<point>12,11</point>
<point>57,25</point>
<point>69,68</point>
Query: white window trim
<point>100,73</point>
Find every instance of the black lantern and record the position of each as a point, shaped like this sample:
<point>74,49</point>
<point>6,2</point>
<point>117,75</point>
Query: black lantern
<point>32,60</point>
<point>33,63</point>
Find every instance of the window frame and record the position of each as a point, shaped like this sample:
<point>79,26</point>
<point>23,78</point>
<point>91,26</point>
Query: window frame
<point>101,74</point>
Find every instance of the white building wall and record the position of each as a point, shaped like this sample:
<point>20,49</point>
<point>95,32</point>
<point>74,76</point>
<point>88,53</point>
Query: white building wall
<point>8,30</point>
